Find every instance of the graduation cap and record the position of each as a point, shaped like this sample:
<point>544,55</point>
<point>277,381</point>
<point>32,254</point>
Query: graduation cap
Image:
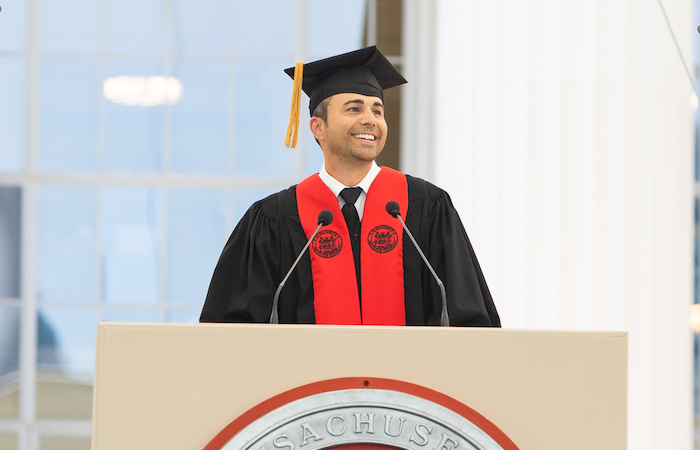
<point>365,71</point>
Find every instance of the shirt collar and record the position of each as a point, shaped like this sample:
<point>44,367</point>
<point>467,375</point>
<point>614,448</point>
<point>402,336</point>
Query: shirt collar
<point>336,186</point>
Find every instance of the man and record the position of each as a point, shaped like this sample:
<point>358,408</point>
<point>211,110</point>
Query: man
<point>361,268</point>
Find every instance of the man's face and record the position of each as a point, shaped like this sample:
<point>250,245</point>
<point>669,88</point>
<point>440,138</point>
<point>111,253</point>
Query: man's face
<point>355,130</point>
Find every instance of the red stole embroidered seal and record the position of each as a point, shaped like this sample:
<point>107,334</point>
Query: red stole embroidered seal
<point>336,300</point>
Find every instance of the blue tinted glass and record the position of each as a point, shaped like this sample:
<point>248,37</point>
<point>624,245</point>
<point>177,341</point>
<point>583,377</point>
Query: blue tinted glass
<point>9,344</point>
<point>314,155</point>
<point>114,314</point>
<point>324,17</point>
<point>134,26</point>
<point>244,198</point>
<point>68,115</point>
<point>70,25</point>
<point>132,242</point>
<point>198,121</point>
<point>196,234</point>
<point>12,112</point>
<point>10,237</point>
<point>66,243</point>
<point>13,26</point>
<point>133,134</point>
<point>264,27</point>
<point>262,95</point>
<point>190,315</point>
<point>200,27</point>
<point>66,340</point>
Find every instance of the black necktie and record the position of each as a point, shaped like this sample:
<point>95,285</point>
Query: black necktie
<point>352,219</point>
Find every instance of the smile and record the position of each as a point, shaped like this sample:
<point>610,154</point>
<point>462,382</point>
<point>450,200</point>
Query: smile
<point>367,137</point>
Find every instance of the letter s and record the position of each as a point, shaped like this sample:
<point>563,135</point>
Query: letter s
<point>286,443</point>
<point>422,431</point>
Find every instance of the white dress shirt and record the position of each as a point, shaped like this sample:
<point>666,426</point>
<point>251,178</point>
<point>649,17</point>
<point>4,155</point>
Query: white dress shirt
<point>336,186</point>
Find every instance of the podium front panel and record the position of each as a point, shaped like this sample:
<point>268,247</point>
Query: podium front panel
<point>177,386</point>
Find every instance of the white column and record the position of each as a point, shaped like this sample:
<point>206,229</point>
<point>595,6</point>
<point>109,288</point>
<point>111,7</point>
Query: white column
<point>563,132</point>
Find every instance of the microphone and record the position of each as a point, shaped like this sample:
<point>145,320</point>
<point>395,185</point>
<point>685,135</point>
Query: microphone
<point>394,210</point>
<point>325,217</point>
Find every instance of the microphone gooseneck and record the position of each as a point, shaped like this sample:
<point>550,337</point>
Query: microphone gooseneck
<point>394,210</point>
<point>325,217</point>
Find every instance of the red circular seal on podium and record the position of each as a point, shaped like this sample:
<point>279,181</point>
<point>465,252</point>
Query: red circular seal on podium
<point>361,414</point>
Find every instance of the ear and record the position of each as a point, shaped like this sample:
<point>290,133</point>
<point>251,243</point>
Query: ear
<point>318,128</point>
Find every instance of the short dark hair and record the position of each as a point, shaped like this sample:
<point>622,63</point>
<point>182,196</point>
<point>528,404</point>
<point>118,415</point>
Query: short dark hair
<point>321,111</point>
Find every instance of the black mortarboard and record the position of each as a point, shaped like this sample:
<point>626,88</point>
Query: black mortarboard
<point>365,71</point>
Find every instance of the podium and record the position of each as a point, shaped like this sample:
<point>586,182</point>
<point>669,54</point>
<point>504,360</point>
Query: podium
<point>180,386</point>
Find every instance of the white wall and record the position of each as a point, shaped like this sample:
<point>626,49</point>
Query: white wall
<point>563,132</point>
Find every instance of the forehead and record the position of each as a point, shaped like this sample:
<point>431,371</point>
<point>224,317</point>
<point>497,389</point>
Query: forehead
<point>341,99</point>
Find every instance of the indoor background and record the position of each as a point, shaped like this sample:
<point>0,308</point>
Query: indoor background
<point>135,134</point>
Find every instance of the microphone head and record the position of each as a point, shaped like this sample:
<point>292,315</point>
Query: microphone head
<point>325,217</point>
<point>393,208</point>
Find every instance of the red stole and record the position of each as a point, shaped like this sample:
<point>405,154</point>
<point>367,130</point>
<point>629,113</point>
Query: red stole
<point>336,299</point>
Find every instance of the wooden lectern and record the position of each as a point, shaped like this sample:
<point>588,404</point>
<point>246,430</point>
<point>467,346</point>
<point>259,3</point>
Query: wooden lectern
<point>173,386</point>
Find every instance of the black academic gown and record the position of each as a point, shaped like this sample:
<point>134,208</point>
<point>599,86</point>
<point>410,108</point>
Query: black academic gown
<point>269,237</point>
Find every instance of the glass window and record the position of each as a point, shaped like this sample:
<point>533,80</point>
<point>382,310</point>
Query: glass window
<point>9,342</point>
<point>66,340</point>
<point>196,234</point>
<point>324,17</point>
<point>262,96</point>
<point>133,133</point>
<point>314,155</point>
<point>244,198</point>
<point>120,314</point>
<point>9,362</point>
<point>198,121</point>
<point>189,315</point>
<point>67,243</point>
<point>200,27</point>
<point>65,443</point>
<point>132,244</point>
<point>8,441</point>
<point>134,26</point>
<point>60,397</point>
<point>13,31</point>
<point>264,27</point>
<point>70,25</point>
<point>10,238</point>
<point>12,117</point>
<point>68,115</point>
<point>65,362</point>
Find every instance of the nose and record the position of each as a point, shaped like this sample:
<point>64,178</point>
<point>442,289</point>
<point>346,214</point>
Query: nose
<point>368,118</point>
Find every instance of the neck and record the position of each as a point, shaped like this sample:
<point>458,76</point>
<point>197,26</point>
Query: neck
<point>349,176</point>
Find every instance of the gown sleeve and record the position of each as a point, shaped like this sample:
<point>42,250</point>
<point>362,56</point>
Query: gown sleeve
<point>469,300</point>
<point>447,247</point>
<point>247,274</point>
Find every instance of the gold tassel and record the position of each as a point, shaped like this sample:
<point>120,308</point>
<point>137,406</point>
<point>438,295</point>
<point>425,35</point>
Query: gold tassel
<point>293,127</point>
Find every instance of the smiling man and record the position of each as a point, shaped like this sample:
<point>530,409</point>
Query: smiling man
<point>361,268</point>
<point>354,133</point>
